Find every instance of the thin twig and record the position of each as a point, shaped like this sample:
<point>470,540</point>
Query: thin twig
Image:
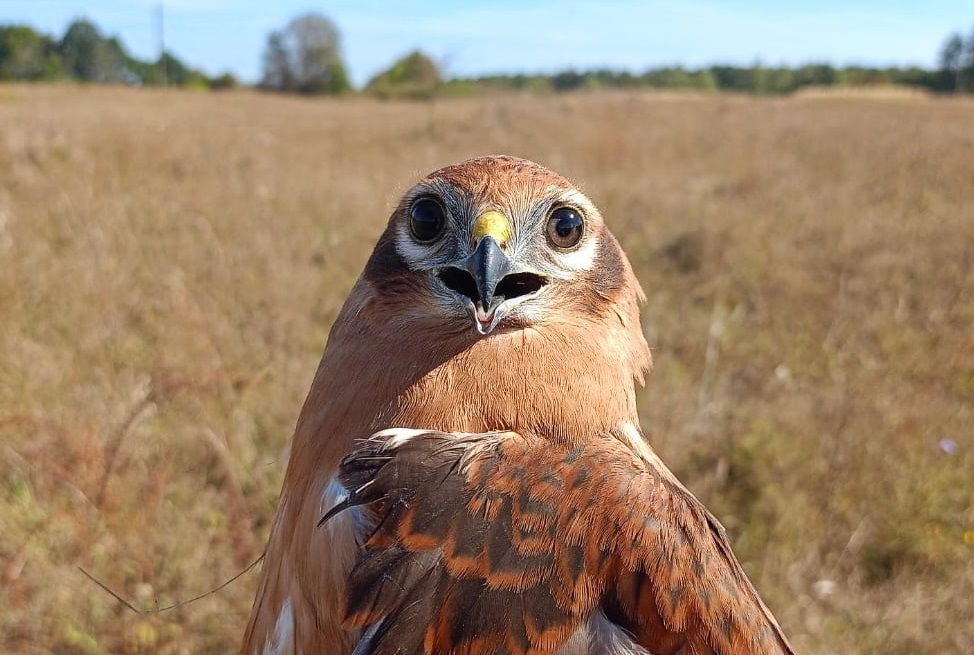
<point>160,610</point>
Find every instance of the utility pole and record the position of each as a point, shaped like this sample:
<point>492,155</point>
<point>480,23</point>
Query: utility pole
<point>163,64</point>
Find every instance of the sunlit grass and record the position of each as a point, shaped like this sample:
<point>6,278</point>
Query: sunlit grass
<point>170,264</point>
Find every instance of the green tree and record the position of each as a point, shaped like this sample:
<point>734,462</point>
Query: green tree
<point>305,57</point>
<point>224,81</point>
<point>27,55</point>
<point>677,77</point>
<point>815,75</point>
<point>967,62</point>
<point>732,78</point>
<point>168,69</point>
<point>278,70</point>
<point>413,76</point>
<point>862,76</point>
<point>90,57</point>
<point>569,80</point>
<point>952,60</point>
<point>176,72</point>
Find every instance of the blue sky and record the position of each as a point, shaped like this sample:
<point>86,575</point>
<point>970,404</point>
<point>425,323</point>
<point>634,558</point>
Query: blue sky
<point>480,36</point>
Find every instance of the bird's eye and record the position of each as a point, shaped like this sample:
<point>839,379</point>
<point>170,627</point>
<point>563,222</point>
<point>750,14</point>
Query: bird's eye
<point>565,228</point>
<point>426,220</point>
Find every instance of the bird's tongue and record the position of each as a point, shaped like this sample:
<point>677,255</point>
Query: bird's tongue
<point>485,318</point>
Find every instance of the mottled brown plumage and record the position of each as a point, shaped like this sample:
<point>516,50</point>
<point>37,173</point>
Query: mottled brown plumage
<point>525,514</point>
<point>507,543</point>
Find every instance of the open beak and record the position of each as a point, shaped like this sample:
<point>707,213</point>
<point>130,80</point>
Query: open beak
<point>488,280</point>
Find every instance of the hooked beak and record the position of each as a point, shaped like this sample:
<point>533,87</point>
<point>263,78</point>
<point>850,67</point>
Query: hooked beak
<point>490,284</point>
<point>488,265</point>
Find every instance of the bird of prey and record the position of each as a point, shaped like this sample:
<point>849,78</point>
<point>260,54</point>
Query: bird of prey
<point>467,474</point>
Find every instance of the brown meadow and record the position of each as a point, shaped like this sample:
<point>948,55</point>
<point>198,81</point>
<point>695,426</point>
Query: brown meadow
<point>170,263</point>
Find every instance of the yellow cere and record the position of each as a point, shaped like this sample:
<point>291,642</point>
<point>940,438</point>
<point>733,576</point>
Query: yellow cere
<point>492,223</point>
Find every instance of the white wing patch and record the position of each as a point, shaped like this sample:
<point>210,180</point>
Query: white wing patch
<point>282,642</point>
<point>395,437</point>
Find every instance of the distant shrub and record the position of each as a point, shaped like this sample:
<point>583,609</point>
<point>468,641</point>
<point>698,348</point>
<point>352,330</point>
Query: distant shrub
<point>224,82</point>
<point>413,76</point>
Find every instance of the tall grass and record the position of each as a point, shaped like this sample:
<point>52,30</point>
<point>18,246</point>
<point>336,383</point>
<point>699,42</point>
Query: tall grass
<point>170,264</point>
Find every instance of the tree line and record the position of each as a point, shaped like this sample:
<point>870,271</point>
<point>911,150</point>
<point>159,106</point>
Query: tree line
<point>84,54</point>
<point>305,57</point>
<point>955,74</point>
<point>748,79</point>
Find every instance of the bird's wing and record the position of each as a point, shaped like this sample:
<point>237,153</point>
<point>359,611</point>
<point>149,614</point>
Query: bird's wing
<point>508,543</point>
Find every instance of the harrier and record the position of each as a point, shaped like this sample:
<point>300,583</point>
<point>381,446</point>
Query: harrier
<point>468,475</point>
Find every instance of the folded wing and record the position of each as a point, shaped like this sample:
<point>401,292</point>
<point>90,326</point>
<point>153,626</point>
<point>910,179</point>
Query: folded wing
<point>508,543</point>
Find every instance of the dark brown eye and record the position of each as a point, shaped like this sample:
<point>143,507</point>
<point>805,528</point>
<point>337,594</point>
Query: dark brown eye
<point>565,228</point>
<point>426,220</point>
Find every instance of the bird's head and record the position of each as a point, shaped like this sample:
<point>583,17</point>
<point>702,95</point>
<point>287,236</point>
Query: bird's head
<point>497,244</point>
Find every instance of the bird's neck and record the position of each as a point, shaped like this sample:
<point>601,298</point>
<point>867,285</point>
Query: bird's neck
<point>553,380</point>
<point>560,380</point>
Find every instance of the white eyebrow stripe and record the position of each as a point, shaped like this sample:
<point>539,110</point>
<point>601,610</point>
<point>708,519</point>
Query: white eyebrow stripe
<point>577,198</point>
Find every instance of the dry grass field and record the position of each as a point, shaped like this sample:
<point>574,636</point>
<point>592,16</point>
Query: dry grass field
<point>170,263</point>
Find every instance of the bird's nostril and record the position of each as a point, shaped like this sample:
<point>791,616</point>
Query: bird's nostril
<point>519,284</point>
<point>460,281</point>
